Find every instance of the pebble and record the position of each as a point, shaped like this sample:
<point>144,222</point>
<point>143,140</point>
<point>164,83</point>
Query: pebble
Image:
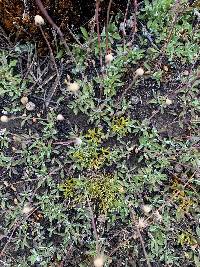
<point>30,106</point>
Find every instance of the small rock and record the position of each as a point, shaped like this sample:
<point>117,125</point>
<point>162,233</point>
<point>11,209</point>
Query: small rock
<point>30,106</point>
<point>178,168</point>
<point>135,99</point>
<point>24,100</point>
<point>60,117</point>
<point>184,177</point>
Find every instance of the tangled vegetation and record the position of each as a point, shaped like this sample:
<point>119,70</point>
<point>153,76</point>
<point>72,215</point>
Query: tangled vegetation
<point>100,144</point>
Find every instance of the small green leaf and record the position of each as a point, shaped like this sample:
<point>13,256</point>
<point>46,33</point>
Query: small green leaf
<point>85,33</point>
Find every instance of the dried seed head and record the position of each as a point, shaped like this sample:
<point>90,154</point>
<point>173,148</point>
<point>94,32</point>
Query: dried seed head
<point>99,261</point>
<point>109,58</point>
<point>39,20</point>
<point>24,100</point>
<point>168,101</point>
<point>27,209</point>
<point>146,208</point>
<point>72,87</point>
<point>139,72</point>
<point>30,106</point>
<point>141,223</point>
<point>60,117</point>
<point>4,118</point>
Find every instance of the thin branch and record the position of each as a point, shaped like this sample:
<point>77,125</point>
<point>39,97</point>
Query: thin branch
<point>49,19</point>
<point>94,227</point>
<point>124,23</point>
<point>55,65</point>
<point>107,23</point>
<point>135,16</point>
<point>98,31</point>
<point>140,237</point>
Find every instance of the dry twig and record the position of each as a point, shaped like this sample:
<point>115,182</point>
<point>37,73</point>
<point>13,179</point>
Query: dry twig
<point>98,31</point>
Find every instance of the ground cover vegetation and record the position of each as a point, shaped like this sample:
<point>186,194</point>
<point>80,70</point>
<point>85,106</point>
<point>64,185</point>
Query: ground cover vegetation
<point>99,139</point>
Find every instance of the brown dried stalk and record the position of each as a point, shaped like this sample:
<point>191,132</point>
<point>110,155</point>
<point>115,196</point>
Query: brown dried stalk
<point>107,23</point>
<point>55,65</point>
<point>94,227</point>
<point>49,19</point>
<point>98,31</point>
<point>140,237</point>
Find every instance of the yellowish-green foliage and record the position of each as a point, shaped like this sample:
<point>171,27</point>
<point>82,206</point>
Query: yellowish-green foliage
<point>183,200</point>
<point>121,125</point>
<point>186,238</point>
<point>95,135</point>
<point>92,155</point>
<point>102,189</point>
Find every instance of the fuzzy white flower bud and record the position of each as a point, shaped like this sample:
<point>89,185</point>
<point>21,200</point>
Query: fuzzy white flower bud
<point>139,72</point>
<point>27,209</point>
<point>39,20</point>
<point>73,87</point>
<point>60,117</point>
<point>99,261</point>
<point>4,118</point>
<point>108,58</point>
<point>168,101</point>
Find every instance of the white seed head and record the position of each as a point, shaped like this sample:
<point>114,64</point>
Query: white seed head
<point>139,72</point>
<point>141,223</point>
<point>109,58</point>
<point>146,208</point>
<point>60,117</point>
<point>99,261</point>
<point>168,101</point>
<point>24,100</point>
<point>30,106</point>
<point>73,87</point>
<point>78,141</point>
<point>4,118</point>
<point>39,20</point>
<point>27,209</point>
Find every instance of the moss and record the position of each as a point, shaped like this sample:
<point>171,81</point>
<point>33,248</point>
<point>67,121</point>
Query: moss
<point>102,189</point>
<point>121,125</point>
<point>91,155</point>
<point>95,135</point>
